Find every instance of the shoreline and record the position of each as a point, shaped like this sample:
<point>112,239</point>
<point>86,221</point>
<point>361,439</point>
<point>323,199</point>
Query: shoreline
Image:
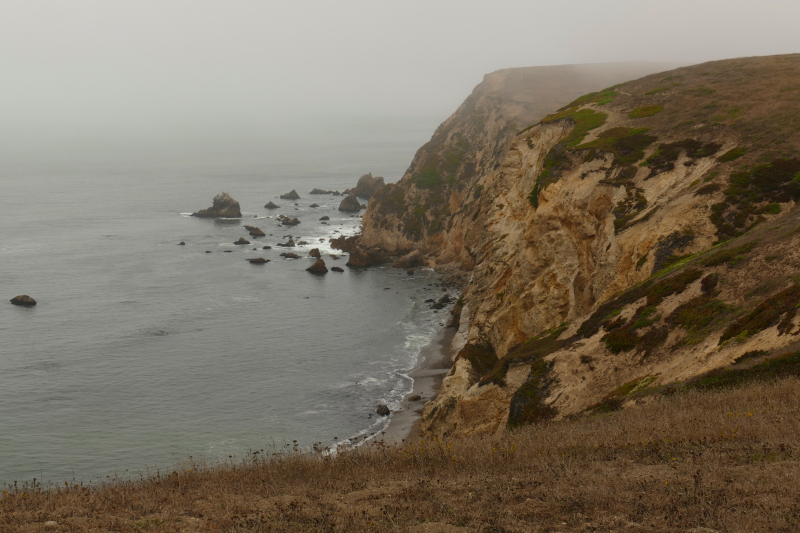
<point>406,420</point>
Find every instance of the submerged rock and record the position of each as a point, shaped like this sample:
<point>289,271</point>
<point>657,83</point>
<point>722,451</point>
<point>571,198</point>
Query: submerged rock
<point>270,205</point>
<point>290,255</point>
<point>258,261</point>
<point>314,205</point>
<point>223,207</point>
<point>337,269</point>
<point>326,217</point>
<point>290,195</point>
<point>350,203</point>
<point>24,300</point>
<point>318,267</point>
<point>321,191</point>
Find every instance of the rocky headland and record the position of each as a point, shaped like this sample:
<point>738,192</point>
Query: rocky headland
<point>619,243</point>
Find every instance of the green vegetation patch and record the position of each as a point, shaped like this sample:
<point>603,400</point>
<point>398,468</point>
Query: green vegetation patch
<point>779,309</point>
<point>527,404</point>
<point>481,356</point>
<point>701,91</point>
<point>772,368</point>
<point>613,402</point>
<point>557,159</point>
<point>663,160</point>
<point>698,312</point>
<point>534,348</point>
<point>661,89</point>
<point>600,98</point>
<point>774,182</point>
<point>655,289</point>
<point>728,255</point>
<point>732,155</point>
<point>646,111</point>
<point>627,144</point>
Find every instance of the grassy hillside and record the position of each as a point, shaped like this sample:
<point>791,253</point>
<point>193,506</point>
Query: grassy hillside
<point>723,460</point>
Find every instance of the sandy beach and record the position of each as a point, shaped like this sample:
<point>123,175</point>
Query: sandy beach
<point>428,378</point>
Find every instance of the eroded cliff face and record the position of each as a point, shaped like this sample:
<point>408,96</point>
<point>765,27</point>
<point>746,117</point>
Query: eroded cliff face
<point>418,211</point>
<point>599,244</point>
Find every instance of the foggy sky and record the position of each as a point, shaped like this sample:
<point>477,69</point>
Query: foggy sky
<point>163,63</point>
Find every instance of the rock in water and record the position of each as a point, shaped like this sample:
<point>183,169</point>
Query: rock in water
<point>410,271</point>
<point>337,269</point>
<point>318,267</point>
<point>314,253</point>
<point>290,255</point>
<point>350,203</point>
<point>383,410</point>
<point>256,232</point>
<point>271,205</point>
<point>287,244</point>
<point>314,205</point>
<point>326,217</point>
<point>410,260</point>
<point>223,207</point>
<point>258,261</point>
<point>367,185</point>
<point>181,243</point>
<point>359,258</point>
<point>290,195</point>
<point>23,300</point>
<point>242,240</point>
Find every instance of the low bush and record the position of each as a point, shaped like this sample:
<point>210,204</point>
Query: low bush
<point>646,111</point>
<point>767,314</point>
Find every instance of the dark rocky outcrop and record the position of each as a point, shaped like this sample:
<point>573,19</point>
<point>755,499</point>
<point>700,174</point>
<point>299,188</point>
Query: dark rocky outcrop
<point>350,204</point>
<point>254,231</point>
<point>270,205</point>
<point>266,247</point>
<point>337,269</point>
<point>24,300</point>
<point>383,410</point>
<point>410,260</point>
<point>287,244</point>
<point>367,185</point>
<point>314,253</point>
<point>318,267</point>
<point>290,255</point>
<point>326,217</point>
<point>242,241</point>
<point>286,221</point>
<point>290,195</point>
<point>258,261</point>
<point>321,191</point>
<point>223,207</point>
<point>314,205</point>
<point>181,243</point>
<point>410,271</point>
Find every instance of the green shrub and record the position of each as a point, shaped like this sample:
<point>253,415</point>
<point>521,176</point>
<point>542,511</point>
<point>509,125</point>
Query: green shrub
<point>728,254</point>
<point>698,312</point>
<point>771,209</point>
<point>732,154</point>
<point>767,314</point>
<point>627,144</point>
<point>772,368</point>
<point>646,111</point>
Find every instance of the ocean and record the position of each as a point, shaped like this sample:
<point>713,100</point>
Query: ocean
<point>141,352</point>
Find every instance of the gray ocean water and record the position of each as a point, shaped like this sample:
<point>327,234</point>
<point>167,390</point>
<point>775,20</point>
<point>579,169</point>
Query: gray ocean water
<point>141,352</point>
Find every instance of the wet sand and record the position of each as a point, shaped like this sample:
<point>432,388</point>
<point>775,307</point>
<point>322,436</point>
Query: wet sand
<point>428,378</point>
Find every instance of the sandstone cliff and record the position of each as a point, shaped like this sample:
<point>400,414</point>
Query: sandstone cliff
<point>589,237</point>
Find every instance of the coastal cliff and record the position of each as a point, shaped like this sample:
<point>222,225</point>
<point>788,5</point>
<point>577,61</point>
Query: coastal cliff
<point>614,245</point>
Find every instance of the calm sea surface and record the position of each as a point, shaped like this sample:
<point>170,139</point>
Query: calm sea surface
<point>142,352</point>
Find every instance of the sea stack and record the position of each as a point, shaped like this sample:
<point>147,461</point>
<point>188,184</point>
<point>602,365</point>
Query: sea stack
<point>223,207</point>
<point>350,204</point>
<point>290,195</point>
<point>318,267</point>
<point>23,300</point>
<point>271,205</point>
<point>367,185</point>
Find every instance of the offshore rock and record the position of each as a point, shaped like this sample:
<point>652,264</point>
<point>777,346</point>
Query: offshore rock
<point>290,195</point>
<point>287,244</point>
<point>290,255</point>
<point>337,269</point>
<point>314,253</point>
<point>255,232</point>
<point>367,185</point>
<point>223,207</point>
<point>23,300</point>
<point>270,205</point>
<point>383,410</point>
<point>350,204</point>
<point>286,221</point>
<point>258,261</point>
<point>318,267</point>
<point>412,259</point>
<point>242,241</point>
<point>326,217</point>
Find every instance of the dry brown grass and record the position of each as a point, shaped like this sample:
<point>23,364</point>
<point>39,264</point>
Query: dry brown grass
<point>728,461</point>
